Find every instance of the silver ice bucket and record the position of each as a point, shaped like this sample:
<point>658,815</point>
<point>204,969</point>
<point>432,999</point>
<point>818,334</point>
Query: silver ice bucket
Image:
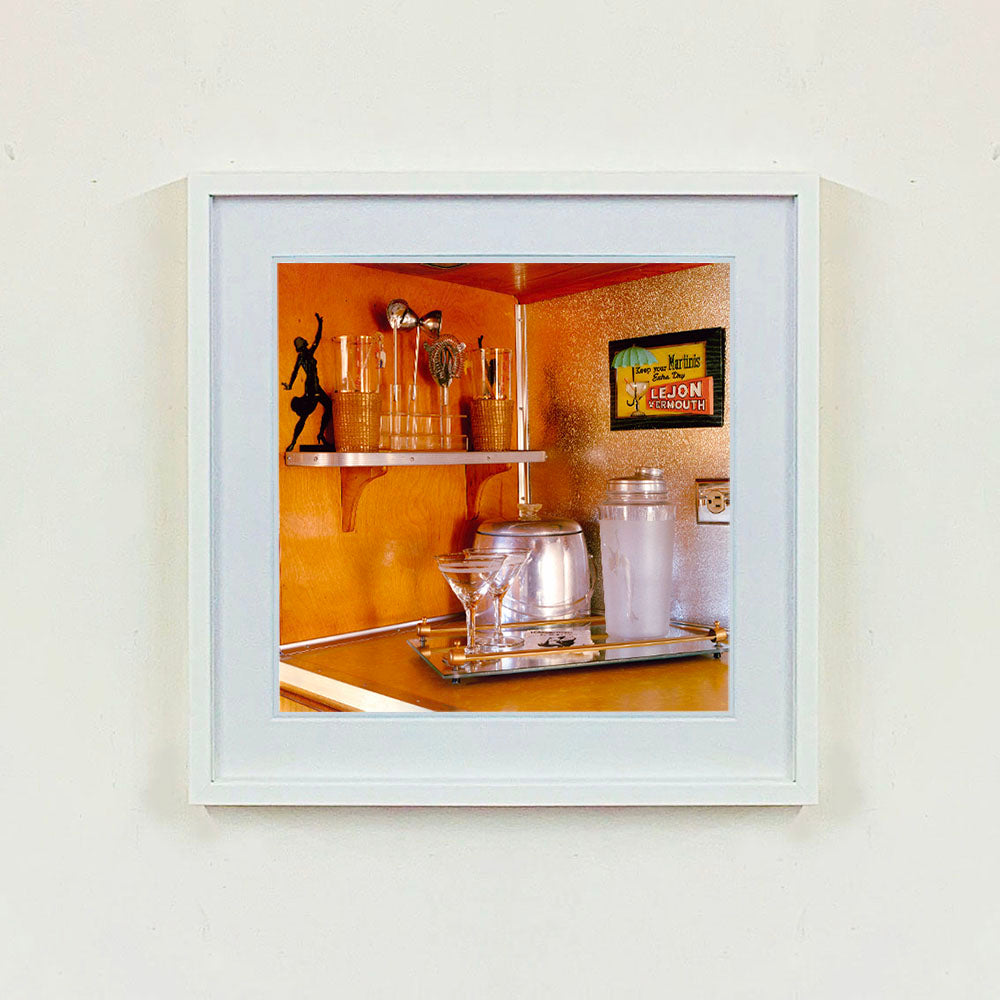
<point>557,580</point>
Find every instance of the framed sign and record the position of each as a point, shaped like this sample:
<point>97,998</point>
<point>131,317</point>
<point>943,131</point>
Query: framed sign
<point>668,380</point>
<point>261,249</point>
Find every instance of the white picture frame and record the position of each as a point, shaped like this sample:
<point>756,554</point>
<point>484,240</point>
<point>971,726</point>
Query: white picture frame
<point>242,751</point>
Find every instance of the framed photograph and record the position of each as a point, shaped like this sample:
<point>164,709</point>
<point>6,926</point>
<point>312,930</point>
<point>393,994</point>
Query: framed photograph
<point>425,567</point>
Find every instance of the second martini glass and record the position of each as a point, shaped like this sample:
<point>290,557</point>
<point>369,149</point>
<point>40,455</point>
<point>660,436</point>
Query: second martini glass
<point>512,563</point>
<point>469,577</point>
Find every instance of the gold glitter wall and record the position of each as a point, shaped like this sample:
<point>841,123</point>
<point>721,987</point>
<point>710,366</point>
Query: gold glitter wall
<point>568,415</point>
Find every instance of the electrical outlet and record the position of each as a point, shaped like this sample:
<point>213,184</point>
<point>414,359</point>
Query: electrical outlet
<point>713,501</point>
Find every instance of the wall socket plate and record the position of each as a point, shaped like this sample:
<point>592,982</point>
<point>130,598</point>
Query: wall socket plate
<point>713,501</point>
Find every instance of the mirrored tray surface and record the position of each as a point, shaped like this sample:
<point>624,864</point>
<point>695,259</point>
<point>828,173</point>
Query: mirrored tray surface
<point>561,646</point>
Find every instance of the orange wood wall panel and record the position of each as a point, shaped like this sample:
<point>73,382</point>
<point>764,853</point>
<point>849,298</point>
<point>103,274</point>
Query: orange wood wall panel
<point>383,572</point>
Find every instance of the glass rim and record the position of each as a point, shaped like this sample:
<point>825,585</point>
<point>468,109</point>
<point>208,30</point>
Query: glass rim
<point>505,554</point>
<point>461,559</point>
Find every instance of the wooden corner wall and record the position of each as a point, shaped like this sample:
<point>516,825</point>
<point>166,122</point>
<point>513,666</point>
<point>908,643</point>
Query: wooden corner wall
<point>383,572</point>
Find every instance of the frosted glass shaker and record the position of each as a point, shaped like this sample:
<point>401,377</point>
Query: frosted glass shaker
<point>637,555</point>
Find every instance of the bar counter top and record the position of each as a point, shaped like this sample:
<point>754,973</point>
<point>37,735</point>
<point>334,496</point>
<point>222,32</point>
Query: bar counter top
<point>381,673</point>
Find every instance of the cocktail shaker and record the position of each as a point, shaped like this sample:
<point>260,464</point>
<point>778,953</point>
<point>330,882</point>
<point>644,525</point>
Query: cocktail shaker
<point>637,554</point>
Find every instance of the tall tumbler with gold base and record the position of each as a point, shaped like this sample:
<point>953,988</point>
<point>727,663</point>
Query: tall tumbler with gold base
<point>357,403</point>
<point>491,409</point>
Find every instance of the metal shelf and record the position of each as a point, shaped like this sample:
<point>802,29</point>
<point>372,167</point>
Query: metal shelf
<point>373,459</point>
<point>358,470</point>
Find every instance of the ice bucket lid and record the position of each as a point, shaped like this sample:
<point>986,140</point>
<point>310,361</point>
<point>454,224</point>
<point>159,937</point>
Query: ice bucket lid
<point>529,529</point>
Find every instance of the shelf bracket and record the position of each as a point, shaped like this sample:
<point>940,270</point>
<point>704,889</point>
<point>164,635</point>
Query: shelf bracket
<point>353,482</point>
<point>476,477</point>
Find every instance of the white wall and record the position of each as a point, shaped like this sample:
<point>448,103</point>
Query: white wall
<point>115,888</point>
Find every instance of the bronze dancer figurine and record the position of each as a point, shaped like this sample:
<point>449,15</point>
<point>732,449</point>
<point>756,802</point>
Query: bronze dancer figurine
<point>314,393</point>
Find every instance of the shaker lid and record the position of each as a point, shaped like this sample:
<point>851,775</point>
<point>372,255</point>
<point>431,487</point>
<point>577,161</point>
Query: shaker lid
<point>529,529</point>
<point>647,482</point>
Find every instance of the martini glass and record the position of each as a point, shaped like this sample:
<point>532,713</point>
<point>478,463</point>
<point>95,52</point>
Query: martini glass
<point>512,564</point>
<point>634,391</point>
<point>469,578</point>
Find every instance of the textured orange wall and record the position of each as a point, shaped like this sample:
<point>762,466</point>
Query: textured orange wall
<point>383,572</point>
<point>569,404</point>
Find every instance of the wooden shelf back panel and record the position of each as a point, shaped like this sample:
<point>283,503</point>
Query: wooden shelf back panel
<point>335,581</point>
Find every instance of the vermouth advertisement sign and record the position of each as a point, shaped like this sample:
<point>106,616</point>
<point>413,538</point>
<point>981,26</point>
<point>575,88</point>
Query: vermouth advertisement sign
<point>668,380</point>
<point>688,396</point>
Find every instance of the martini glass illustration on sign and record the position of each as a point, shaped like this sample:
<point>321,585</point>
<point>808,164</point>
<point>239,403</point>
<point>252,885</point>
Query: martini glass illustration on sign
<point>469,578</point>
<point>634,357</point>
